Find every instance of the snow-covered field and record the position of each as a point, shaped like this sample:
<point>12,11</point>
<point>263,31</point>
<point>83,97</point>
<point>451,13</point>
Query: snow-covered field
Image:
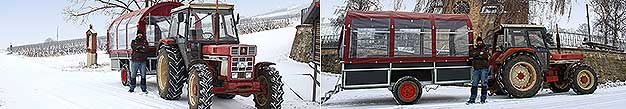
<point>612,96</point>
<point>61,82</point>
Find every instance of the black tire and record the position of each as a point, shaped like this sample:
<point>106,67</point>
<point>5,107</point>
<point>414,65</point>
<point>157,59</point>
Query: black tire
<point>225,96</point>
<point>407,90</point>
<point>529,77</point>
<point>560,86</point>
<point>171,73</point>
<point>199,87</point>
<point>584,80</point>
<point>125,76</point>
<point>271,94</point>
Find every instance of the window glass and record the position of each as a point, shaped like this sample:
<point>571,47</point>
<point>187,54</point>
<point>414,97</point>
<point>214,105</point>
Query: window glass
<point>113,36</point>
<point>517,38</point>
<point>452,38</point>
<point>123,35</point>
<point>369,38</point>
<point>410,38</point>
<point>536,39</point>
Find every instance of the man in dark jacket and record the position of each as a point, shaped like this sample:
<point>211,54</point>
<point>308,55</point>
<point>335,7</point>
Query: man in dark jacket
<point>138,61</point>
<point>479,58</point>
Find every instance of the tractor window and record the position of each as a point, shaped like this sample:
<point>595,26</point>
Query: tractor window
<point>517,38</point>
<point>536,39</point>
<point>409,38</point>
<point>452,38</point>
<point>369,38</point>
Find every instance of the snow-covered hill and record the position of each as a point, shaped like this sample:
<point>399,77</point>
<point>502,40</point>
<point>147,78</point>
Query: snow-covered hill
<point>60,82</point>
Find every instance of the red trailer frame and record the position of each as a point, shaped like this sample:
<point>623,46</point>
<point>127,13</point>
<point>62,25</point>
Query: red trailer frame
<point>429,68</point>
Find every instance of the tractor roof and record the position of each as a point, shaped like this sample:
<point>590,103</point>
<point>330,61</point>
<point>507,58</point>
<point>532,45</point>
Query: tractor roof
<point>521,26</point>
<point>221,6</point>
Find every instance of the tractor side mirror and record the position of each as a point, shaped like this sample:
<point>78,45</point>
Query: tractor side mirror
<point>181,17</point>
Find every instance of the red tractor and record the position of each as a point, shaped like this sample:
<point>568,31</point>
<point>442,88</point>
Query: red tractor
<point>521,62</point>
<point>203,50</point>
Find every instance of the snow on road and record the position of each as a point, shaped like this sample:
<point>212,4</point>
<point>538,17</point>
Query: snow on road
<point>61,82</point>
<point>446,97</point>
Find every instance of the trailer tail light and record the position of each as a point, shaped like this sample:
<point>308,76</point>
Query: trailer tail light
<point>241,67</point>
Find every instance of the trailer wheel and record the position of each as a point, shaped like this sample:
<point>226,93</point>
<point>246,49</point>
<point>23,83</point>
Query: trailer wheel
<point>407,90</point>
<point>199,89</point>
<point>170,73</point>
<point>125,77</point>
<point>521,76</point>
<point>584,80</point>
<point>560,86</point>
<point>271,94</point>
<point>225,96</point>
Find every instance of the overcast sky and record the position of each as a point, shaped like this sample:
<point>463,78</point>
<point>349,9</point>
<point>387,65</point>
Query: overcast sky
<point>32,21</point>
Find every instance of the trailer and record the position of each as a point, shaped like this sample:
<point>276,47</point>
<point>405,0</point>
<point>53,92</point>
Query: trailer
<point>121,31</point>
<point>403,51</point>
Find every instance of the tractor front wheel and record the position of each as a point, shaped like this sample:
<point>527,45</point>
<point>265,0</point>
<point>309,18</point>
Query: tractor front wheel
<point>584,80</point>
<point>199,90</point>
<point>271,94</point>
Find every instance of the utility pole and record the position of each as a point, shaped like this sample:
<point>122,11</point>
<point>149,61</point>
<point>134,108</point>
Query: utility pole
<point>588,24</point>
<point>57,33</point>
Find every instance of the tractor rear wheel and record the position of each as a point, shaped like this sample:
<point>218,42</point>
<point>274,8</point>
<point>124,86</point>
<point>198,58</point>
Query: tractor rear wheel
<point>584,80</point>
<point>560,86</point>
<point>199,87</point>
<point>125,76</point>
<point>170,73</point>
<point>407,90</point>
<point>271,94</point>
<point>225,96</point>
<point>521,76</point>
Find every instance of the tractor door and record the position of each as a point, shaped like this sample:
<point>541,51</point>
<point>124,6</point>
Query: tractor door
<point>536,37</point>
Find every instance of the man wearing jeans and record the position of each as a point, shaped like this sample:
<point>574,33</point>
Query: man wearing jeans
<point>138,61</point>
<point>479,58</point>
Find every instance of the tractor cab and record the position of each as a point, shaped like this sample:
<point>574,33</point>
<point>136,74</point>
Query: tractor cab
<point>205,23</point>
<point>512,38</point>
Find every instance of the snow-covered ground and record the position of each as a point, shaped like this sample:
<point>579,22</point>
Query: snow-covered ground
<point>61,82</point>
<point>612,96</point>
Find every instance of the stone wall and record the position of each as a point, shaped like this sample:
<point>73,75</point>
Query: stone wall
<point>330,61</point>
<point>610,66</point>
<point>301,46</point>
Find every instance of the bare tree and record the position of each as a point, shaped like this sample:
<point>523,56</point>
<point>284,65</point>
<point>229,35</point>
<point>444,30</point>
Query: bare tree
<point>397,5</point>
<point>358,5</point>
<point>422,5</point>
<point>79,11</point>
<point>611,18</point>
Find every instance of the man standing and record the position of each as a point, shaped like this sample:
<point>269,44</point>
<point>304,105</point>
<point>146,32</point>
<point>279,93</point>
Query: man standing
<point>479,58</point>
<point>138,61</point>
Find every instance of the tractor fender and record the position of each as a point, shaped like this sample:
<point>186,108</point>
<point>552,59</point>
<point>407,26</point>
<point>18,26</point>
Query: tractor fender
<point>258,67</point>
